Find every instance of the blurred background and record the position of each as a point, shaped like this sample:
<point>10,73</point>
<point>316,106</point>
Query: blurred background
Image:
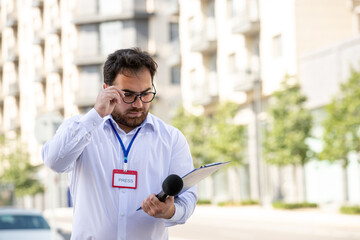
<point>271,85</point>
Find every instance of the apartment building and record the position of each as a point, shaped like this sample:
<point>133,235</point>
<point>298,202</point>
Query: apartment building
<point>240,50</point>
<point>52,52</point>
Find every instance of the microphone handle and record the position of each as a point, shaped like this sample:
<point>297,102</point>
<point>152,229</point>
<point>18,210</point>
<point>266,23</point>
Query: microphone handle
<point>162,196</point>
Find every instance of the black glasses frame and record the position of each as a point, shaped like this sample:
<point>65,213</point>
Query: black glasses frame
<point>140,96</point>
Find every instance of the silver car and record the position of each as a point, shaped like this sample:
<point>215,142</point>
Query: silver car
<point>21,224</point>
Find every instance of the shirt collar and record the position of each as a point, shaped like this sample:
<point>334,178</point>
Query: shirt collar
<point>147,123</point>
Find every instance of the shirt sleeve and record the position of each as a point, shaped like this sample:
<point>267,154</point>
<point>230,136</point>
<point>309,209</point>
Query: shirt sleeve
<point>182,164</point>
<point>61,152</point>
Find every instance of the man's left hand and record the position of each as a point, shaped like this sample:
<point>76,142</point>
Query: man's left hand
<point>154,207</point>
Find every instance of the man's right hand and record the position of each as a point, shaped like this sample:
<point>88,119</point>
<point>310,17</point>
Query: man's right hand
<point>107,100</point>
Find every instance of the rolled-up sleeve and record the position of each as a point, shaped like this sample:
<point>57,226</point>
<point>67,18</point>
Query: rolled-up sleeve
<point>61,152</point>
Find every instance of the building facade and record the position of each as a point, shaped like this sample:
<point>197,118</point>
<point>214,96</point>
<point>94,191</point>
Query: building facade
<point>241,50</point>
<point>52,53</point>
<point>208,51</point>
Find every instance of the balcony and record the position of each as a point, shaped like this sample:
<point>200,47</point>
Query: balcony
<point>244,80</point>
<point>101,17</point>
<point>12,55</point>
<point>37,3</point>
<point>58,103</point>
<point>11,19</point>
<point>55,26</point>
<point>247,21</point>
<point>14,124</point>
<point>14,89</point>
<point>85,101</point>
<point>38,38</point>
<point>39,75</point>
<point>173,7</point>
<point>204,39</point>
<point>208,92</point>
<point>94,60</point>
<point>56,66</point>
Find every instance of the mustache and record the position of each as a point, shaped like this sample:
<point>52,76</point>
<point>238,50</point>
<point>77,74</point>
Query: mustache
<point>135,110</point>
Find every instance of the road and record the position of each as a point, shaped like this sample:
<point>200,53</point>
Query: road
<point>254,223</point>
<point>257,223</point>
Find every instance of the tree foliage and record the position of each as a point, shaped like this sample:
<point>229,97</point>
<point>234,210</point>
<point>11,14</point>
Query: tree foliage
<point>213,138</point>
<point>288,128</point>
<point>342,124</point>
<point>17,169</point>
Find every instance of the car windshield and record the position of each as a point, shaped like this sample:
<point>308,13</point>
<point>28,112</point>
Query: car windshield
<point>22,222</point>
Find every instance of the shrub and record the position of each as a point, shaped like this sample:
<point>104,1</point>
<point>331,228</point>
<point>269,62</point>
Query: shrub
<point>282,205</point>
<point>350,209</point>
<point>241,203</point>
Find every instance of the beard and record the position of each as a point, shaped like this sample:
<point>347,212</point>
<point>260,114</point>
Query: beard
<point>123,119</point>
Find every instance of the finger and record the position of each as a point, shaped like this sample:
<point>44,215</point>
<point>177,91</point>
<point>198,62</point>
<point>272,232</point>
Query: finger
<point>117,90</point>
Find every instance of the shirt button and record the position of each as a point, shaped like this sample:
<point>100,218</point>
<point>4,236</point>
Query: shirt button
<point>122,214</point>
<point>94,123</point>
<point>123,191</point>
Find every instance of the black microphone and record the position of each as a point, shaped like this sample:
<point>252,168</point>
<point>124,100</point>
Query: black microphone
<point>171,186</point>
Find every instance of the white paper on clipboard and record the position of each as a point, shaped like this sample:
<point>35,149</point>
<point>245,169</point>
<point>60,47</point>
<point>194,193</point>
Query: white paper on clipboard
<point>198,174</point>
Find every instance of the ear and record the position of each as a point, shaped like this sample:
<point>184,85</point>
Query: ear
<point>105,85</point>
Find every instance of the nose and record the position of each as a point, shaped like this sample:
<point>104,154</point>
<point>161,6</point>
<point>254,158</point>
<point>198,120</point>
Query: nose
<point>138,103</point>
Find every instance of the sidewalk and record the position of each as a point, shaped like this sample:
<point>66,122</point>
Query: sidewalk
<point>204,213</point>
<point>315,216</point>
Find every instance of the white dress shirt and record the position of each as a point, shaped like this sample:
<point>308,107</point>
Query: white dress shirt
<point>87,148</point>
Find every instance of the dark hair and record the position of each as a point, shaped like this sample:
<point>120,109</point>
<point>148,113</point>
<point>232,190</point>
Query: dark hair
<point>125,61</point>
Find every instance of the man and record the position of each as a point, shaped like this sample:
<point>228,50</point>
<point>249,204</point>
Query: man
<point>118,155</point>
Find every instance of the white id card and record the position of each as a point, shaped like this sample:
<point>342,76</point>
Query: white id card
<point>123,179</point>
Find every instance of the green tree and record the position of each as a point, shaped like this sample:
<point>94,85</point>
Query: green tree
<point>214,137</point>
<point>342,126</point>
<point>227,140</point>
<point>17,169</point>
<point>288,128</point>
<point>195,128</point>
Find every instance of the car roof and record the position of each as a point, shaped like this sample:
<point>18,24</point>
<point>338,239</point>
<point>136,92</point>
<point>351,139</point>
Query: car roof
<point>18,211</point>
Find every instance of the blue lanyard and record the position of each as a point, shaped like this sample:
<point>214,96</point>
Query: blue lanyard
<point>126,151</point>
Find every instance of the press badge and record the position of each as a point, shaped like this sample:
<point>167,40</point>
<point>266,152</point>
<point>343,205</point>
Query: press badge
<point>123,179</point>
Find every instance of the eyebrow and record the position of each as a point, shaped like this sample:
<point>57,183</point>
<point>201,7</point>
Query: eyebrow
<point>130,91</point>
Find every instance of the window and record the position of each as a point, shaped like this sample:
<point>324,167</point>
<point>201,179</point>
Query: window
<point>174,31</point>
<point>90,76</point>
<point>175,75</point>
<point>277,46</point>
<point>88,44</point>
<point>110,37</point>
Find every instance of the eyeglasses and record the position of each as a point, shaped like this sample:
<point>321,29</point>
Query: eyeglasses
<point>145,97</point>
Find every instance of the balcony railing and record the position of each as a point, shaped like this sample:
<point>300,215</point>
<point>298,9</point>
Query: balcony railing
<point>56,66</point>
<point>39,75</point>
<point>247,21</point>
<point>129,9</point>
<point>38,37</point>
<point>208,91</point>
<point>11,19</point>
<point>37,3</point>
<point>12,54</point>
<point>14,124</point>
<point>173,7</point>
<point>244,80</point>
<point>14,89</point>
<point>204,39</point>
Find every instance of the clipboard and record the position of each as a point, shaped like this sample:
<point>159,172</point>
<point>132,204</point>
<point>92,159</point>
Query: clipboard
<point>198,174</point>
